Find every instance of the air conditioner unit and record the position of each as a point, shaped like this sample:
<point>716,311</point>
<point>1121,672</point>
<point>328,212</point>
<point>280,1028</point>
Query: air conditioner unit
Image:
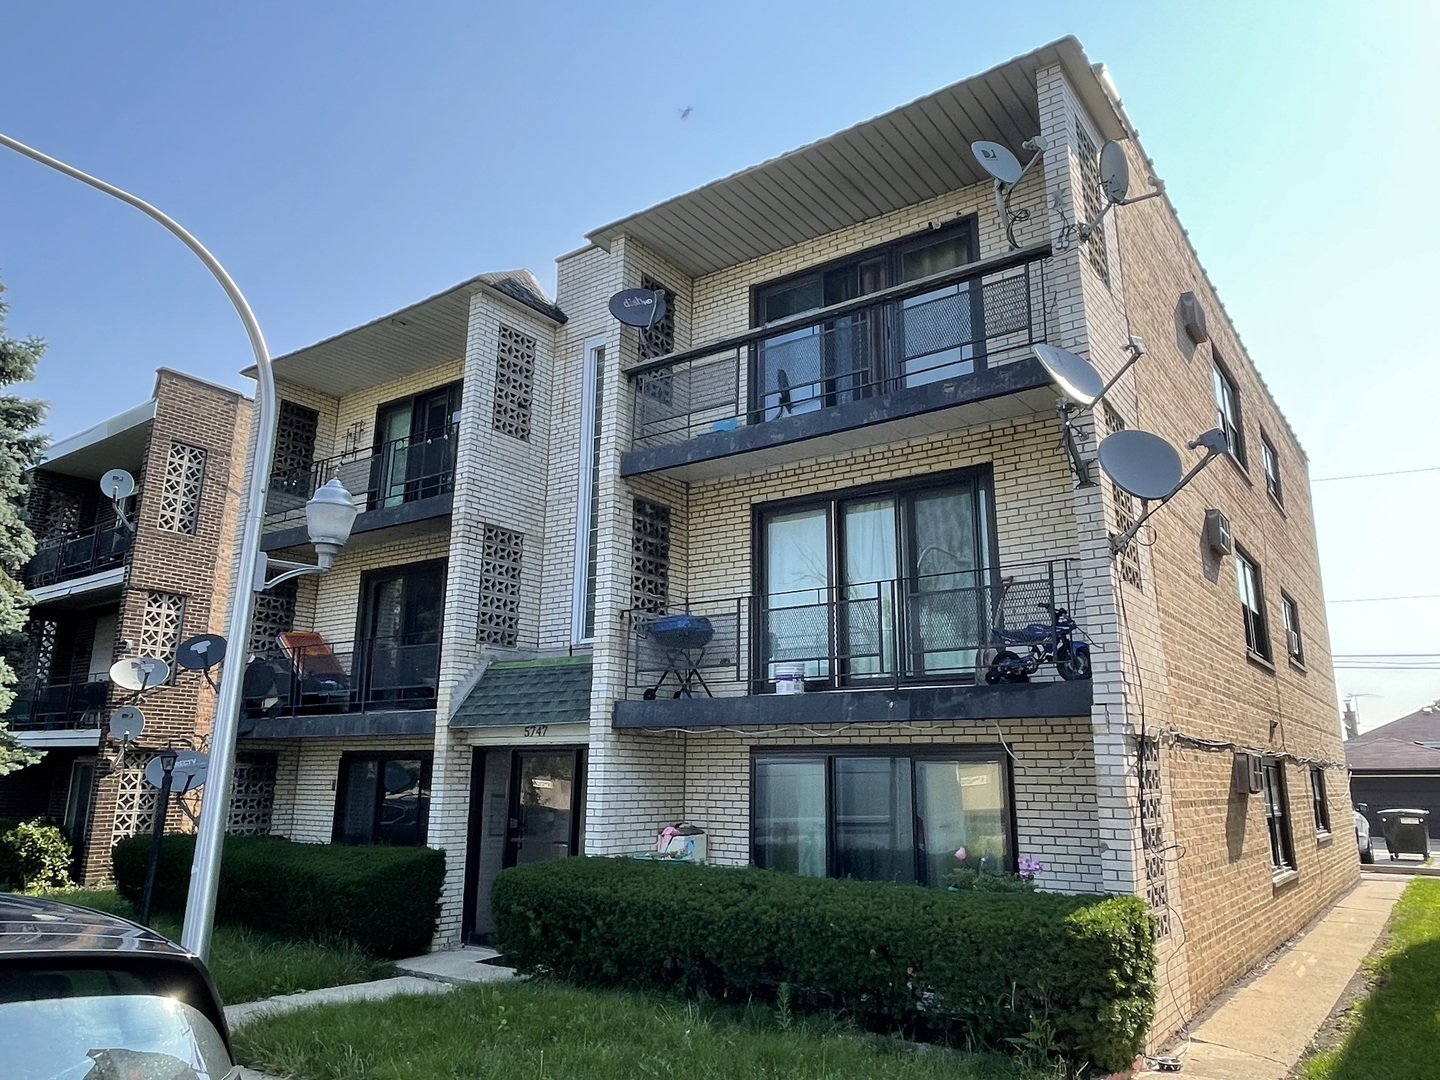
<point>1192,317</point>
<point>1217,533</point>
<point>1249,774</point>
<point>1292,640</point>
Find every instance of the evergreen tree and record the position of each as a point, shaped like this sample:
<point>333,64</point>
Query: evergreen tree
<point>21,444</point>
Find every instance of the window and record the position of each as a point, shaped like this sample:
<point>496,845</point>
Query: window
<point>1227,411</point>
<point>401,615</point>
<point>587,517</point>
<point>383,798</point>
<point>1318,802</point>
<point>1282,855</point>
<point>1252,604</point>
<point>877,582</point>
<point>924,339</point>
<point>414,448</point>
<point>1294,646</point>
<point>881,815</point>
<point>1271,465</point>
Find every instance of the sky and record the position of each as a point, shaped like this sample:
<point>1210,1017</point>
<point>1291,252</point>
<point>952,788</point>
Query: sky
<point>344,160</point>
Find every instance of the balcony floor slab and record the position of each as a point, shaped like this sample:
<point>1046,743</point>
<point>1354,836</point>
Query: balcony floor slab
<point>341,725</point>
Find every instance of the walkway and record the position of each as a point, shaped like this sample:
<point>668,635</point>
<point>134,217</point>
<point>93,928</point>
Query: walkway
<point>1260,1030</point>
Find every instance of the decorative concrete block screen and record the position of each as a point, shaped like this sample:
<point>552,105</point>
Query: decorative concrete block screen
<point>499,617</point>
<point>658,340</point>
<point>134,804</point>
<point>274,614</point>
<point>160,624</point>
<point>180,491</point>
<point>252,799</point>
<point>514,383</point>
<point>1091,201</point>
<point>1124,512</point>
<point>650,557</point>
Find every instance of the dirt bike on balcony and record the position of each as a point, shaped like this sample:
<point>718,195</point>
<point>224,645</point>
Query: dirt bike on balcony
<point>1036,643</point>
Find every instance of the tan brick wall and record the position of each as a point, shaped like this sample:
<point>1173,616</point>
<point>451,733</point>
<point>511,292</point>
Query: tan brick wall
<point>197,414</point>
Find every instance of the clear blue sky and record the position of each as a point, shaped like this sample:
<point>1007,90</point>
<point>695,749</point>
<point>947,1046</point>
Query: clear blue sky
<point>343,160</point>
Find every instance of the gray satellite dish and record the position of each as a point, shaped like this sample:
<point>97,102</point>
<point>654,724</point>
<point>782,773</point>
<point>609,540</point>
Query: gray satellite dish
<point>1143,464</point>
<point>139,672</point>
<point>201,652</point>
<point>1114,172</point>
<point>1074,375</point>
<point>117,484</point>
<point>190,770</point>
<point>997,161</point>
<point>126,724</point>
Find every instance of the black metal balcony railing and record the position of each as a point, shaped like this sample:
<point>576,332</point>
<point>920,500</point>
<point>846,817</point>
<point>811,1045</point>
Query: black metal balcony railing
<point>365,675</point>
<point>948,326</point>
<point>919,631</point>
<point>101,548</point>
<point>400,471</point>
<point>59,704</point>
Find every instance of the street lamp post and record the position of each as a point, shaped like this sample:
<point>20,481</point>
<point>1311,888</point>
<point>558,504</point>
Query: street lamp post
<point>157,833</point>
<point>205,872</point>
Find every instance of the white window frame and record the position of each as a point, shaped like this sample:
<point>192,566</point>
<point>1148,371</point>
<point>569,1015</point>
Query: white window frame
<point>585,493</point>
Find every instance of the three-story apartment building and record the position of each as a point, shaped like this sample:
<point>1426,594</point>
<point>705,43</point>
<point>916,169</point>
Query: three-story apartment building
<point>749,566</point>
<point>110,581</point>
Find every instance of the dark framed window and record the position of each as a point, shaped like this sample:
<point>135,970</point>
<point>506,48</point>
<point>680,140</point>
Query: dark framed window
<point>1277,817</point>
<point>1252,604</point>
<point>414,447</point>
<point>1227,411</point>
<point>877,583</point>
<point>1294,644</point>
<point>882,814</point>
<point>383,798</point>
<point>923,339</point>
<point>1270,461</point>
<point>1318,801</point>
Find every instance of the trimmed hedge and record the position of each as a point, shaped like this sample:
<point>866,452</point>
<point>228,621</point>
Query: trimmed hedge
<point>386,900</point>
<point>969,969</point>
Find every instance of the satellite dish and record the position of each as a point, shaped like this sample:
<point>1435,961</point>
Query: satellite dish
<point>117,484</point>
<point>1114,172</point>
<point>201,652</point>
<point>126,724</point>
<point>191,767</point>
<point>638,307</point>
<point>139,673</point>
<point>1140,463</point>
<point>1074,375</point>
<point>998,161</point>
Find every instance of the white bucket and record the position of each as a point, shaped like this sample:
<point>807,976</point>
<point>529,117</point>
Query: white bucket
<point>789,678</point>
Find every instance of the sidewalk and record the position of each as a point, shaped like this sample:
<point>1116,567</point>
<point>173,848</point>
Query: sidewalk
<point>1261,1028</point>
<point>434,973</point>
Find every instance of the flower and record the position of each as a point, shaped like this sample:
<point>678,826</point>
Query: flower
<point>1029,868</point>
<point>960,854</point>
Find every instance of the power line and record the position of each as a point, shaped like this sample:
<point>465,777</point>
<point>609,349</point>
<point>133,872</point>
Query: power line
<point>1370,475</point>
<point>1384,599</point>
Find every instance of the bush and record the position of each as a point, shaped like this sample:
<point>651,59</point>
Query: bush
<point>967,968</point>
<point>383,899</point>
<point>34,855</point>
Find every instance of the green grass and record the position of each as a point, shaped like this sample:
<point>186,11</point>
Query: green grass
<point>248,965</point>
<point>1395,1033</point>
<point>554,1032</point>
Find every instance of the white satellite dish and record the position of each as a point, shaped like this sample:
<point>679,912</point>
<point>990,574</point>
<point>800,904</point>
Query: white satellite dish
<point>139,673</point>
<point>1074,375</point>
<point>117,484</point>
<point>1114,172</point>
<point>997,160</point>
<point>191,768</point>
<point>126,724</point>
<point>1143,464</point>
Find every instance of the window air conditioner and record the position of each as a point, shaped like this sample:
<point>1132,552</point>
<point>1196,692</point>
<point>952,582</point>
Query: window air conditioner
<point>1192,317</point>
<point>1217,533</point>
<point>1249,776</point>
<point>1293,641</point>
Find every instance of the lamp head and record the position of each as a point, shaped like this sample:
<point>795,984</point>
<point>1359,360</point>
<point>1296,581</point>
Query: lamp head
<point>167,759</point>
<point>329,516</point>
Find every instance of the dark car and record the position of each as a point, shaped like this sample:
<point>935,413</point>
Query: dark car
<point>90,996</point>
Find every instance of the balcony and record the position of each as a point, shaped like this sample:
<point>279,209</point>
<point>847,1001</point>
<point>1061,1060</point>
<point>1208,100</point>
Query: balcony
<point>405,480</point>
<point>74,704</point>
<point>308,686</point>
<point>885,651</point>
<point>864,372</point>
<point>92,552</point>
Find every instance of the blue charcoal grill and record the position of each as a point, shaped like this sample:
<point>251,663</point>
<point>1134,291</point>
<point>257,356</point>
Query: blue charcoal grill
<point>682,638</point>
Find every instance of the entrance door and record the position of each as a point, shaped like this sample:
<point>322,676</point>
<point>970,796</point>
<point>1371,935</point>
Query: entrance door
<point>401,614</point>
<point>414,454</point>
<point>544,815</point>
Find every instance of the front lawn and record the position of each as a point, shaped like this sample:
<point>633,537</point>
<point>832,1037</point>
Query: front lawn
<point>248,964</point>
<point>553,1032</point>
<point>1395,1033</point>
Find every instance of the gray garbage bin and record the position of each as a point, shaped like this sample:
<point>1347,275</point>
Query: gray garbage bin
<point>1407,832</point>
